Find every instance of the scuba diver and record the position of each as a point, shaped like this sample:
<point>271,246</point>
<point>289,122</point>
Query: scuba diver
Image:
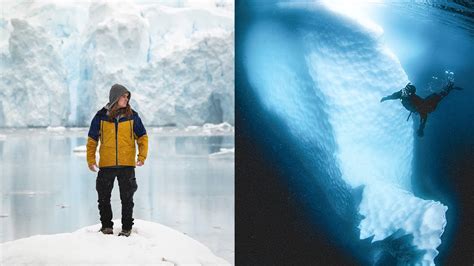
<point>416,104</point>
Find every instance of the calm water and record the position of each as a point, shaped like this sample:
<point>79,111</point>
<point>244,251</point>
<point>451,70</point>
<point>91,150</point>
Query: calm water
<point>46,188</point>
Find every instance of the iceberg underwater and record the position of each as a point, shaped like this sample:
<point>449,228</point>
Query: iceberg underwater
<point>336,166</point>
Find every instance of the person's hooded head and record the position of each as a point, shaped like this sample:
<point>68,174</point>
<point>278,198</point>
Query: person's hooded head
<point>119,98</point>
<point>116,92</point>
<point>409,89</point>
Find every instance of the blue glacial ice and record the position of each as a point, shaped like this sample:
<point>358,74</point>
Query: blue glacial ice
<point>322,74</point>
<point>59,60</point>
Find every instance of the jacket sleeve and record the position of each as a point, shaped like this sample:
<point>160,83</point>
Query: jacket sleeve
<point>141,137</point>
<point>395,95</point>
<point>93,140</point>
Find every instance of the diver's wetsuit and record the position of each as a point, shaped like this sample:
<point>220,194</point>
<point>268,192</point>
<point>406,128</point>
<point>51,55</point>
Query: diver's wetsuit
<point>416,104</point>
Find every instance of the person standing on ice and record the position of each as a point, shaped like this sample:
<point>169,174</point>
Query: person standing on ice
<point>416,104</point>
<point>117,127</point>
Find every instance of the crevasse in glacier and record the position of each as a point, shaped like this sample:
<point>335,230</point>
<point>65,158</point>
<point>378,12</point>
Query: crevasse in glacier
<point>59,59</point>
<point>323,74</point>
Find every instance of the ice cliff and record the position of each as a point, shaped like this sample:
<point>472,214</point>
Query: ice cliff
<point>59,59</point>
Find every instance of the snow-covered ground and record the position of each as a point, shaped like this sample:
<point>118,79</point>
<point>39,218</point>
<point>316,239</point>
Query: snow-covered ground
<point>60,58</point>
<point>46,188</point>
<point>150,243</point>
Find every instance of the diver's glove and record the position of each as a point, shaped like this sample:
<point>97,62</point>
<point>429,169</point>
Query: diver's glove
<point>384,99</point>
<point>450,85</point>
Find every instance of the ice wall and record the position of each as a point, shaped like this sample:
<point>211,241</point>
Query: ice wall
<point>33,85</point>
<point>313,60</point>
<point>60,59</point>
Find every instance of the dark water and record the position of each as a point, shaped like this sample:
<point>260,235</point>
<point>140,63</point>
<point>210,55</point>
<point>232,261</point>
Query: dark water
<point>46,188</point>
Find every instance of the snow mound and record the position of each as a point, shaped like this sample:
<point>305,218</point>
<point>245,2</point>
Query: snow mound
<point>56,129</point>
<point>219,128</point>
<point>223,154</point>
<point>150,243</point>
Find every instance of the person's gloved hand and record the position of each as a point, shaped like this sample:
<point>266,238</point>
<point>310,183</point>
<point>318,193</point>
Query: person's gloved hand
<point>383,99</point>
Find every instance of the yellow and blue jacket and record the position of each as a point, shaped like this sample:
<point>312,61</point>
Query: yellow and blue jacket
<point>117,140</point>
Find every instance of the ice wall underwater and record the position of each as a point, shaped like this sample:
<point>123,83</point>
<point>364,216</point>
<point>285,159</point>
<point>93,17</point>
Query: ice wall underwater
<point>330,169</point>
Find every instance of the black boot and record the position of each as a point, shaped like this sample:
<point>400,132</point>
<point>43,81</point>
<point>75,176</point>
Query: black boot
<point>107,230</point>
<point>125,232</point>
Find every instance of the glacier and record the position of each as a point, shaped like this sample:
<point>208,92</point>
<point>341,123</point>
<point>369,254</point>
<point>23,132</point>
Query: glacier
<point>320,74</point>
<point>59,60</point>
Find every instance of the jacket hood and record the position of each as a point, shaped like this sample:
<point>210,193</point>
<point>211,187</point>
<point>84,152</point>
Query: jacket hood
<point>116,91</point>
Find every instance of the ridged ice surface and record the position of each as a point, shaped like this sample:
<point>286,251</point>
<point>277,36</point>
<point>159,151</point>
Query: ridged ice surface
<point>354,71</point>
<point>388,209</point>
<point>33,89</point>
<point>323,75</point>
<point>58,60</point>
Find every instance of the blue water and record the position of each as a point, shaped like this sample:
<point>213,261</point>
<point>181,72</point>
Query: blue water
<point>428,42</point>
<point>312,208</point>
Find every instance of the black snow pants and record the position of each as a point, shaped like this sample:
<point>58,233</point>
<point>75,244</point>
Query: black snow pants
<point>127,185</point>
